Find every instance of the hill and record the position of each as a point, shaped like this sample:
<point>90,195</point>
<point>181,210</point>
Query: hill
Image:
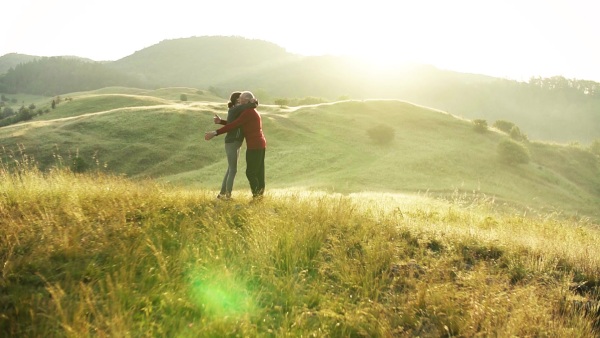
<point>147,134</point>
<point>51,76</point>
<point>552,109</point>
<point>12,60</point>
<point>201,62</point>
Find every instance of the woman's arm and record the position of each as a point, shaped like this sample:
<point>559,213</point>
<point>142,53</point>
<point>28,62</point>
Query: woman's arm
<point>237,110</point>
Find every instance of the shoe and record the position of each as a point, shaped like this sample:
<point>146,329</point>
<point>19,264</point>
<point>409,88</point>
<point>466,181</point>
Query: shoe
<point>224,197</point>
<point>256,198</point>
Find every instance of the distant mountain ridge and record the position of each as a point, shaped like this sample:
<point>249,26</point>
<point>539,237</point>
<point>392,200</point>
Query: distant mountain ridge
<point>12,60</point>
<point>555,109</point>
<point>201,61</point>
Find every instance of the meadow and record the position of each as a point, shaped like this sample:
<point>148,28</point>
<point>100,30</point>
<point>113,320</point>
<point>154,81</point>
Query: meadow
<point>97,255</point>
<point>428,235</point>
<point>325,147</point>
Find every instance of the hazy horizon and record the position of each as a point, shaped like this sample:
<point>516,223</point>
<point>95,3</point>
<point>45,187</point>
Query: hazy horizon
<point>507,39</point>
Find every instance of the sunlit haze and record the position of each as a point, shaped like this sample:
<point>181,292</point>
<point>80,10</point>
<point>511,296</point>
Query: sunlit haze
<point>509,38</point>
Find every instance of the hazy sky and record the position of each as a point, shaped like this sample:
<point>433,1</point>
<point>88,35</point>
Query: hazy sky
<point>514,39</point>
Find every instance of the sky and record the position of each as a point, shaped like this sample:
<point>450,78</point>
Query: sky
<point>514,39</point>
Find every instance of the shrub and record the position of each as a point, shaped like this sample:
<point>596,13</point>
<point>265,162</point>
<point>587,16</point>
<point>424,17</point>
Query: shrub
<point>381,134</point>
<point>516,134</point>
<point>24,114</point>
<point>183,97</point>
<point>513,152</point>
<point>505,126</point>
<point>480,125</point>
<point>78,165</point>
<point>281,102</point>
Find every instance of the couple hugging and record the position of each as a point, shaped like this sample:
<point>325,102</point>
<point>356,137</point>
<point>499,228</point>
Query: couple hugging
<point>243,121</point>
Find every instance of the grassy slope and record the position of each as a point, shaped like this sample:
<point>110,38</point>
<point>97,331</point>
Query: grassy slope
<point>324,147</point>
<point>94,255</point>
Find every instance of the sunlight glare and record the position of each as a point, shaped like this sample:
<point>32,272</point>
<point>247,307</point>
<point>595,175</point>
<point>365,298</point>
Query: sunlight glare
<point>221,295</point>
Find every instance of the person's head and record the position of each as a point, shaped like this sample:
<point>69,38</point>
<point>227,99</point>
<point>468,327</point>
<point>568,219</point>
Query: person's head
<point>233,99</point>
<point>245,97</point>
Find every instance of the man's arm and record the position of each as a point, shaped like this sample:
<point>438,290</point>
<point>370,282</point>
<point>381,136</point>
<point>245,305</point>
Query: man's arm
<point>244,117</point>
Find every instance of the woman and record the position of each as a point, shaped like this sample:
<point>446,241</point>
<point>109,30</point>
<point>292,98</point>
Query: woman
<point>233,142</point>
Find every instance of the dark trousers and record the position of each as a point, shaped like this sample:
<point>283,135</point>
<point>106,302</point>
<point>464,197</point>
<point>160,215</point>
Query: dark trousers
<point>255,170</point>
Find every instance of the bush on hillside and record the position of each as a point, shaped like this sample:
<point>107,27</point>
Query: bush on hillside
<point>78,165</point>
<point>183,97</point>
<point>480,125</point>
<point>513,152</point>
<point>504,126</point>
<point>7,112</point>
<point>282,102</point>
<point>516,134</point>
<point>382,134</point>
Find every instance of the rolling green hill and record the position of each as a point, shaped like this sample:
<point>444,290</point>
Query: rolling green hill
<point>552,109</point>
<point>144,133</point>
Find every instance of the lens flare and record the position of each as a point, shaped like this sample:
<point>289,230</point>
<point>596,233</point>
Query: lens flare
<point>221,294</point>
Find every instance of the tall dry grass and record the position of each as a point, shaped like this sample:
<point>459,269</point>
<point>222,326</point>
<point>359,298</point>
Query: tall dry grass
<point>103,256</point>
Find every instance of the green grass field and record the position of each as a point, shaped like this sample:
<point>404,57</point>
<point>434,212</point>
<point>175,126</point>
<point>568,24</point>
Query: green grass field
<point>151,134</point>
<point>430,235</point>
<point>97,255</point>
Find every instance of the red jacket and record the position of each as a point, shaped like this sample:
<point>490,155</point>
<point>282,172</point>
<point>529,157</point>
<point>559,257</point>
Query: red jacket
<point>251,124</point>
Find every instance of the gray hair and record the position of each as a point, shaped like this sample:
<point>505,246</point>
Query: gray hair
<point>247,94</point>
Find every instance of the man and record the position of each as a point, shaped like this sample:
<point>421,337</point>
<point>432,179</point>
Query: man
<point>256,144</point>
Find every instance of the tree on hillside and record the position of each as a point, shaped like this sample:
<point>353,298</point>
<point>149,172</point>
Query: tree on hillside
<point>503,125</point>
<point>516,134</point>
<point>480,125</point>
<point>7,112</point>
<point>282,102</point>
<point>25,114</point>
<point>569,86</point>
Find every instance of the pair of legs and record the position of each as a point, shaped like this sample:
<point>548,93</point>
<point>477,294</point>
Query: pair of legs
<point>255,171</point>
<point>232,149</point>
